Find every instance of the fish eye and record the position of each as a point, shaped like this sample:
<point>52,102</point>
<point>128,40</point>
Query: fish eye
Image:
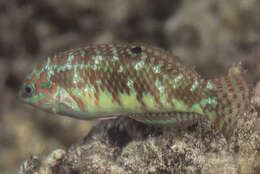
<point>28,89</point>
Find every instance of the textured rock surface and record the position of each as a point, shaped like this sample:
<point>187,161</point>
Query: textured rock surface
<point>125,146</point>
<point>210,35</point>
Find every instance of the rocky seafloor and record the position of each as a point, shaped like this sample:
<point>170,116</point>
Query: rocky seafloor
<point>210,35</point>
<point>124,146</point>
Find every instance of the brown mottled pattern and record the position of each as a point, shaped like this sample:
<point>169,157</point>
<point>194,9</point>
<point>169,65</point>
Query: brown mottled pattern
<point>233,98</point>
<point>144,79</point>
<point>154,86</point>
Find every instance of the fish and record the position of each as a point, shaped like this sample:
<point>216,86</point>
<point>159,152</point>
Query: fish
<point>135,80</point>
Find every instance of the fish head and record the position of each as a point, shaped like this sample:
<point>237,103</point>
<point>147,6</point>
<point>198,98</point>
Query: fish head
<point>39,90</point>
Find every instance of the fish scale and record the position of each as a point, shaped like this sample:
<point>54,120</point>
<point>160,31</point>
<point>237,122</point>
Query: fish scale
<point>136,80</point>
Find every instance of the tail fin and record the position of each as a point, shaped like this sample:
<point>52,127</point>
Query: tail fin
<point>233,96</point>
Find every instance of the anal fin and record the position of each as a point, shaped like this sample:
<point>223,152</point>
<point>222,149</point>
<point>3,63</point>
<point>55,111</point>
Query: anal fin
<point>175,119</point>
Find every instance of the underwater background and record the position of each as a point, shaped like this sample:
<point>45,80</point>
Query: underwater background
<point>209,35</point>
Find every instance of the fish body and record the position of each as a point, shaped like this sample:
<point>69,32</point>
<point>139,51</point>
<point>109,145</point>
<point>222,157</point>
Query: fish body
<point>136,80</point>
